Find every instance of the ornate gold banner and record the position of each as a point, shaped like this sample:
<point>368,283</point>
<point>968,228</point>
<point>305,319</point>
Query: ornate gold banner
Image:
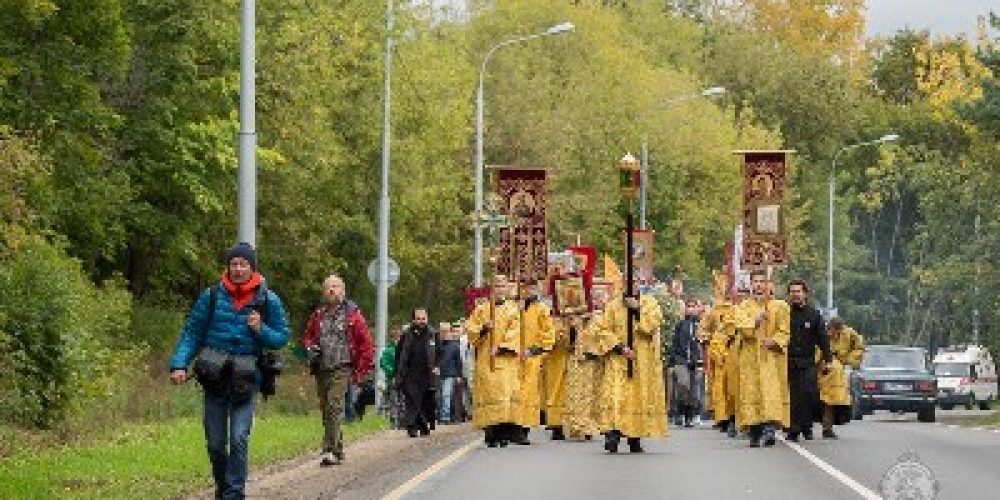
<point>765,240</point>
<point>524,250</point>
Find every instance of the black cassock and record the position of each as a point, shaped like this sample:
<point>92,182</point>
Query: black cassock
<point>415,358</point>
<point>807,334</point>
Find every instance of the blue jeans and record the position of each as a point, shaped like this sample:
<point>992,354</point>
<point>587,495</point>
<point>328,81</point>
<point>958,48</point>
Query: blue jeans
<point>447,388</point>
<point>698,393</point>
<point>228,422</point>
<point>350,397</point>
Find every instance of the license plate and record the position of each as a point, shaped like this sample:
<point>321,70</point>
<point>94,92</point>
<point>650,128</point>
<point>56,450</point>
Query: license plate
<point>896,386</point>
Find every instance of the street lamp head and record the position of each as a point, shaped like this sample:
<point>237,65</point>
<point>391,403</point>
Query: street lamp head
<point>713,91</point>
<point>889,138</point>
<point>561,28</point>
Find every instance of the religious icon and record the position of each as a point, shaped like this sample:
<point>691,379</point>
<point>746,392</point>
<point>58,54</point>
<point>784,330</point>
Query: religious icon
<point>570,296</point>
<point>763,185</point>
<point>600,293</point>
<point>768,219</point>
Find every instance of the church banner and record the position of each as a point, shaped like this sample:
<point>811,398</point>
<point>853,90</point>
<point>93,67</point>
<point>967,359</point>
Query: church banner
<point>642,255</point>
<point>523,254</point>
<point>765,238</point>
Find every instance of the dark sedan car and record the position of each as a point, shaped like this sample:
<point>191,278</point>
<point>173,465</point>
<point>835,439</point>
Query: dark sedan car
<point>894,378</point>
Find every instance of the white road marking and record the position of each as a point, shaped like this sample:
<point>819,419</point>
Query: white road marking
<point>858,488</point>
<point>408,486</point>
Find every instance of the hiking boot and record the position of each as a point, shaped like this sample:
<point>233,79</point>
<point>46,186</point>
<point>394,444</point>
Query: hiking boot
<point>829,434</point>
<point>327,459</point>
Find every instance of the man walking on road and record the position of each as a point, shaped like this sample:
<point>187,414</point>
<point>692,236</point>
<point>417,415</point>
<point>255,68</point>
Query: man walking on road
<point>807,335</point>
<point>228,328</point>
<point>340,352</point>
<point>631,405</point>
<point>494,332</point>
<point>450,367</point>
<point>417,373</point>
<point>762,324</point>
<point>848,348</point>
<point>539,336</point>
<point>685,357</point>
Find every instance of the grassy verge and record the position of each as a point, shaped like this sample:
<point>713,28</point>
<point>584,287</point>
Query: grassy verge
<point>158,460</point>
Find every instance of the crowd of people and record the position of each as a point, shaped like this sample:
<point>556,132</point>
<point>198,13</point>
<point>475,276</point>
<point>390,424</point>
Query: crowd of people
<point>754,364</point>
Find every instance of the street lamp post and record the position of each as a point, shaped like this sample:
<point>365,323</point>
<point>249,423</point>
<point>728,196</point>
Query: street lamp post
<point>644,166</point>
<point>833,176</point>
<point>478,260</point>
<point>246,175</point>
<point>382,304</point>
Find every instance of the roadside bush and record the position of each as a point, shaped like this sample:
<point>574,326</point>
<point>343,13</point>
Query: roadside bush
<point>61,338</point>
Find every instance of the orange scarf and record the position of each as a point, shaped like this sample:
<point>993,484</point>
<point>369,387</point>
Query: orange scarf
<point>241,293</point>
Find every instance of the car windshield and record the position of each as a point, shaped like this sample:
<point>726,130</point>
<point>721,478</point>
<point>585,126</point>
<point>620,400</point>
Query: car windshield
<point>894,359</point>
<point>951,369</point>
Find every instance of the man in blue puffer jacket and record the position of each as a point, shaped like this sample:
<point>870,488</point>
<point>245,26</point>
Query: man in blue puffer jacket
<point>227,329</point>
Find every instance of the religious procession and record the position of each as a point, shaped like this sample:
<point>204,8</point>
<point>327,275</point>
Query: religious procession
<point>612,356</point>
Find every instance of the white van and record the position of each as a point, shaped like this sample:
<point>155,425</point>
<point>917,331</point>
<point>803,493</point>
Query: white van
<point>966,375</point>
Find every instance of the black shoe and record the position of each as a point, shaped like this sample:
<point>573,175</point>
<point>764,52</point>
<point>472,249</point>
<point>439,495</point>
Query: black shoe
<point>770,441</point>
<point>792,436</point>
<point>807,435</point>
<point>425,431</point>
<point>829,434</point>
<point>411,432</point>
<point>755,441</point>
<point>504,443</point>
<point>557,434</point>
<point>687,423</point>
<point>611,442</point>
<point>634,446</point>
<point>491,444</point>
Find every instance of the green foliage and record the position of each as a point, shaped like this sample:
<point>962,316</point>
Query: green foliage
<point>61,335</point>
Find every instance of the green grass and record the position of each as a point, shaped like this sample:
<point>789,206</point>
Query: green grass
<point>160,460</point>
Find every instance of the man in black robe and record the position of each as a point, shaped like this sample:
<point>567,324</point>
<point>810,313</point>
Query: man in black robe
<point>807,334</point>
<point>416,374</point>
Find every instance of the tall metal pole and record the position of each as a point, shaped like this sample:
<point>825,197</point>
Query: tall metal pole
<point>975,295</point>
<point>478,256</point>
<point>829,248</point>
<point>644,181</point>
<point>383,215</point>
<point>246,190</point>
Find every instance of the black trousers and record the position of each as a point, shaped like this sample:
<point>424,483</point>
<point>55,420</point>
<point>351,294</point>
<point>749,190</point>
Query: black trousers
<point>803,393</point>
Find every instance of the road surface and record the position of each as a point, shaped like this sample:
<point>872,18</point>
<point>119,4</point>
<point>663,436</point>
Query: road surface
<point>702,463</point>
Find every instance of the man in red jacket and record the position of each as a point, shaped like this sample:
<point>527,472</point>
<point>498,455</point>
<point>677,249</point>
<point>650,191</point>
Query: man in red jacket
<point>340,351</point>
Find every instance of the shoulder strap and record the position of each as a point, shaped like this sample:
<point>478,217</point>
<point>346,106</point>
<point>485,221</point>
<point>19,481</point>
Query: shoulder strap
<point>213,297</point>
<point>262,292</point>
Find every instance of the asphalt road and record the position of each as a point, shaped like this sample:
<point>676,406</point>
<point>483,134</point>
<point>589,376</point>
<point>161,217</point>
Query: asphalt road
<point>702,463</point>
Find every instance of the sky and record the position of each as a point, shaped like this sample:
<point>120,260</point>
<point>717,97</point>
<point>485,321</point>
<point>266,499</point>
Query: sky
<point>941,17</point>
<point>885,17</point>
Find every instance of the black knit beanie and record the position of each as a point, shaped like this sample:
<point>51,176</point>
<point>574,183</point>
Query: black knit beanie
<point>244,250</point>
